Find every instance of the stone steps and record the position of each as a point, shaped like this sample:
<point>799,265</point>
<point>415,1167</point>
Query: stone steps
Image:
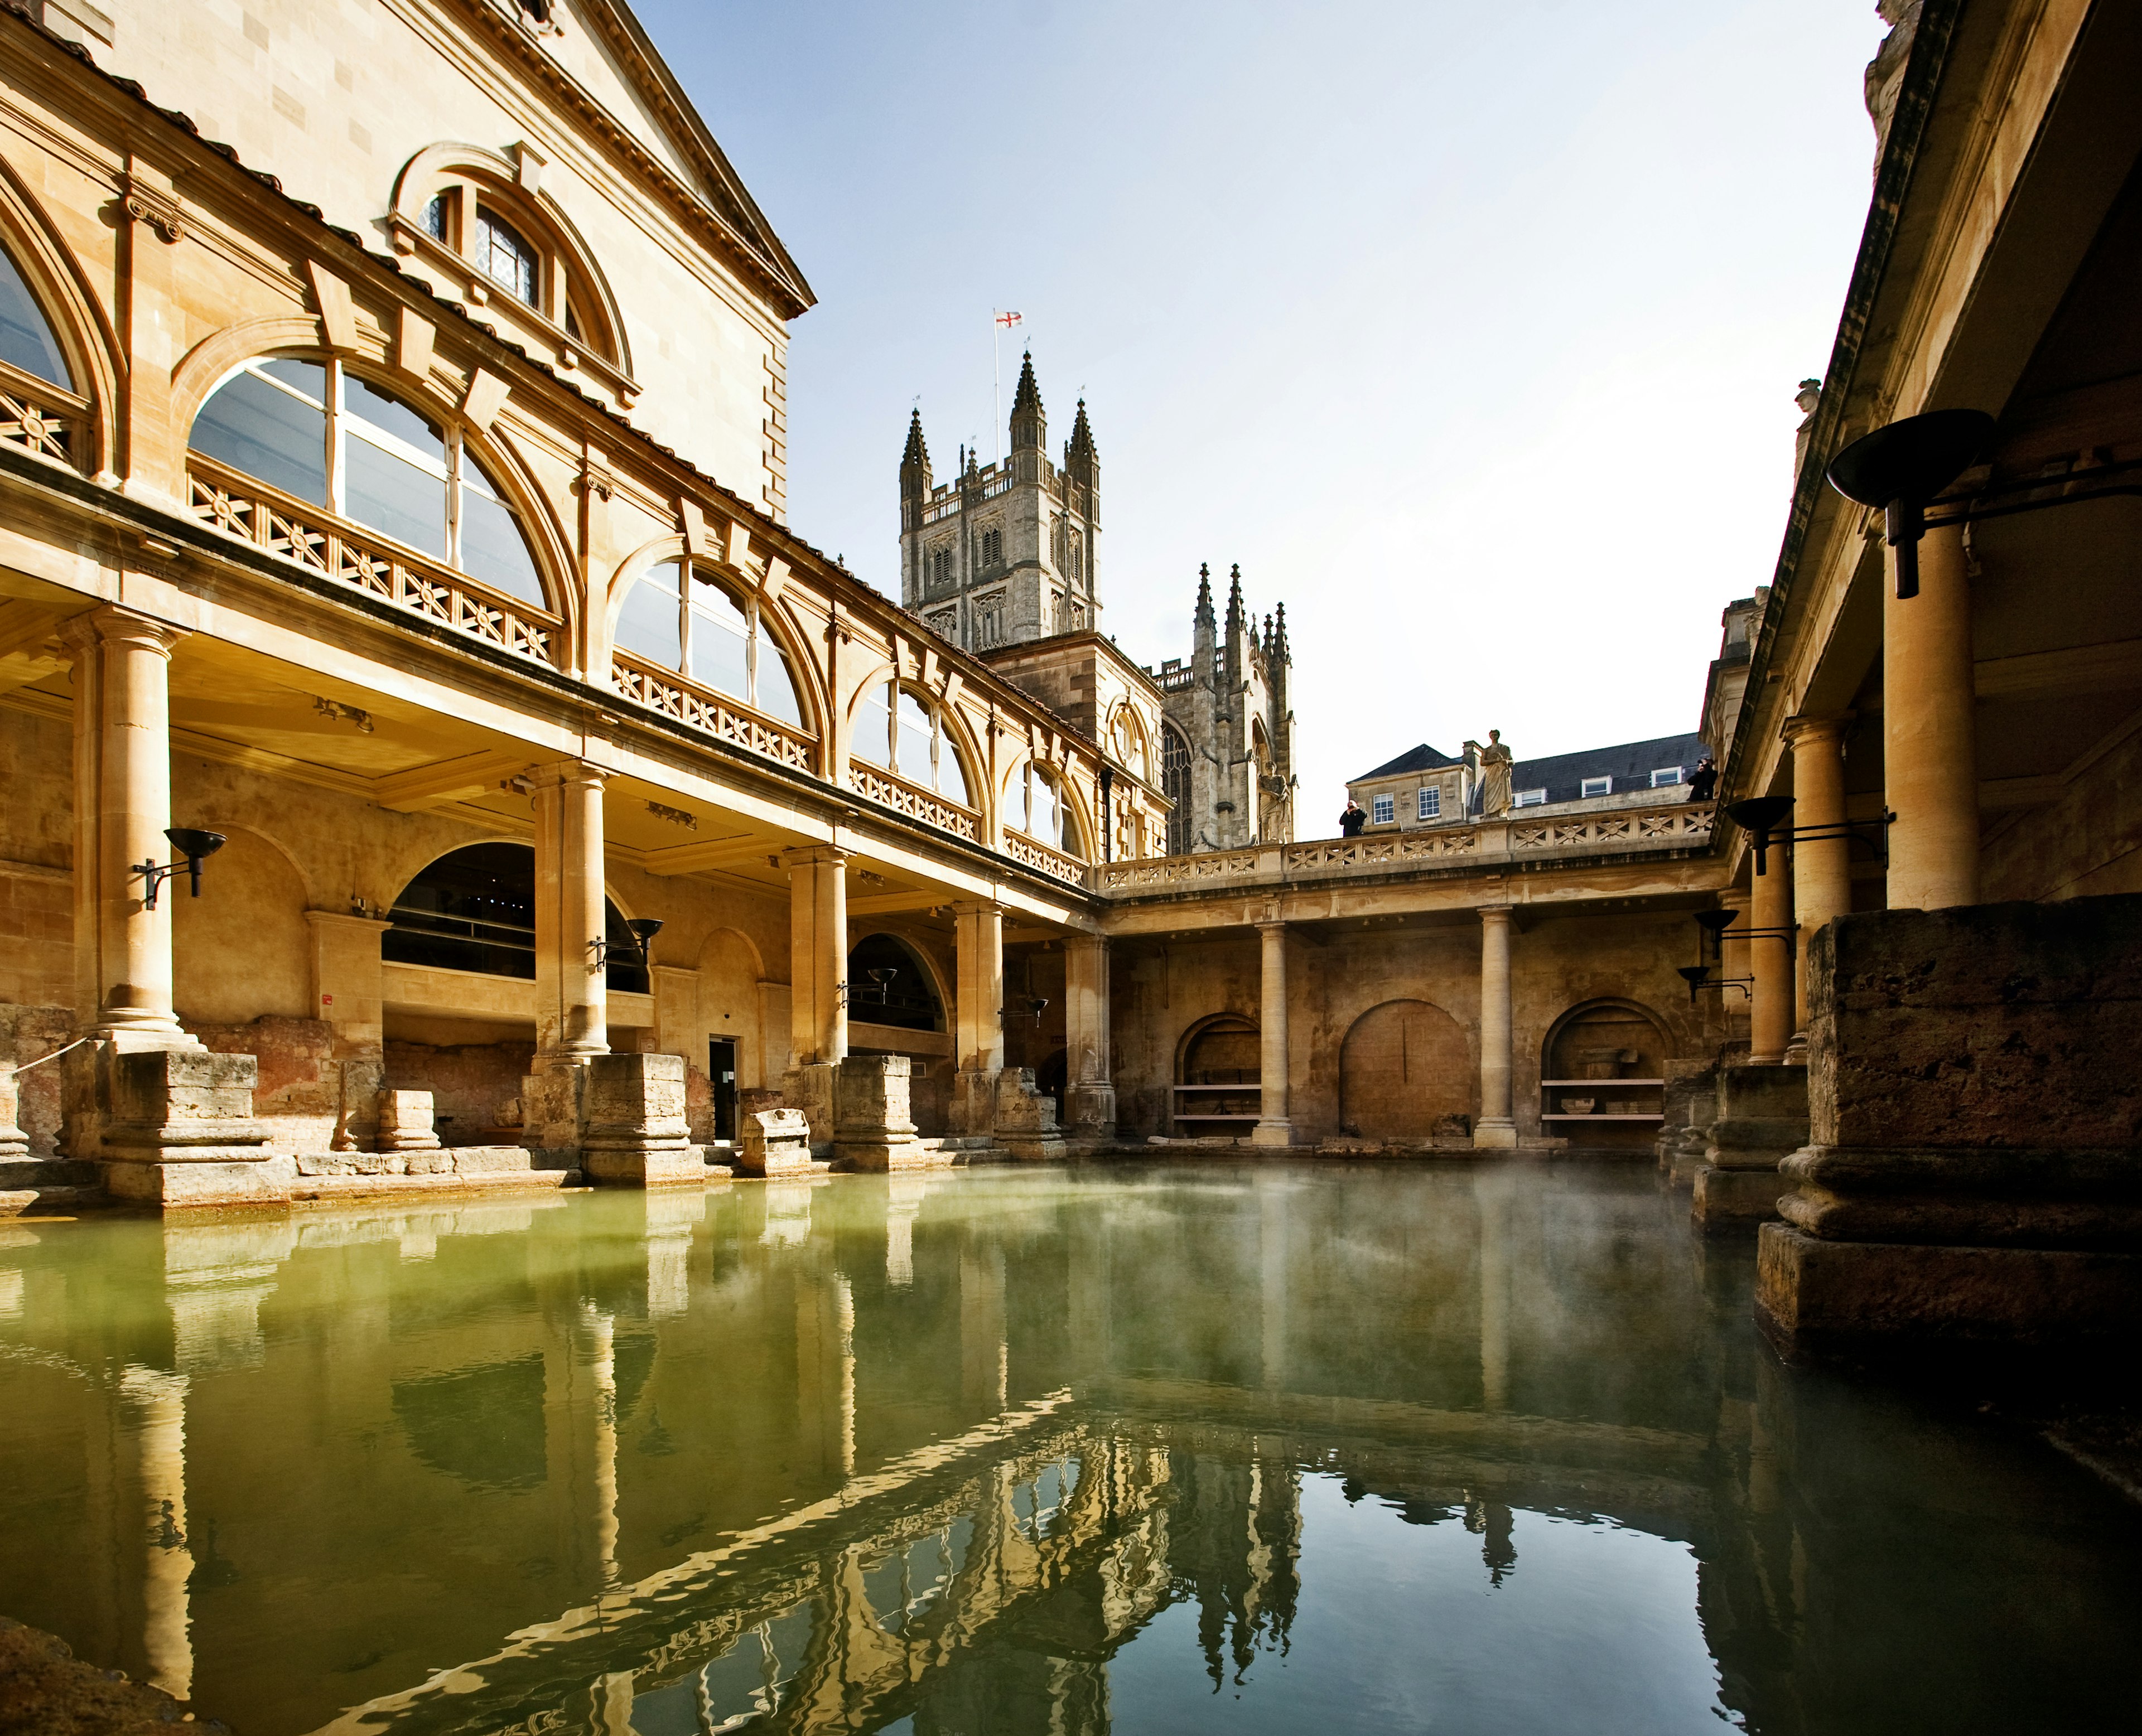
<point>376,1186</point>
<point>47,1184</point>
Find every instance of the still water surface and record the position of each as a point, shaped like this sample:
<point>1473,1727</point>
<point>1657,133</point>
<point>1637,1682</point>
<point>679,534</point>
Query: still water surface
<point>1283,1448</point>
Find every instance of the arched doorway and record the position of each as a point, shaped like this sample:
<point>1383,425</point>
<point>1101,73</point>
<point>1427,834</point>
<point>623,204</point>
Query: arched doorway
<point>474,909</point>
<point>1219,1077</point>
<point>1610,1054</point>
<point>1404,1067</point>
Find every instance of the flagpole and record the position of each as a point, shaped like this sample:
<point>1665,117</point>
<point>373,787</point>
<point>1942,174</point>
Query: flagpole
<point>996,378</point>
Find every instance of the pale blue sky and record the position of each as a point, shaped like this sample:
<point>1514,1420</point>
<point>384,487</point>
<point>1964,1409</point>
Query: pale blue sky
<point>1470,331</point>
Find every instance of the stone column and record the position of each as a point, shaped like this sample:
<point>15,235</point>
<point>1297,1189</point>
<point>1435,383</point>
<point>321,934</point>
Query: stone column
<point>1822,867</point>
<point>572,1001</point>
<point>350,996</point>
<point>1496,1128</point>
<point>122,767</point>
<point>1273,1128</point>
<point>1770,960</point>
<point>979,1046</point>
<point>1930,740</point>
<point>158,1403</point>
<point>1090,1094</point>
<point>571,998</point>
<point>817,976</point>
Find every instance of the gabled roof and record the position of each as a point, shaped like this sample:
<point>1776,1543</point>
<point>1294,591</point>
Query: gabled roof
<point>1630,764</point>
<point>1422,758</point>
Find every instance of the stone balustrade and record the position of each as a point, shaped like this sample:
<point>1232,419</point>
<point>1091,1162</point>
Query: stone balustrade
<point>726,719</point>
<point>874,783</point>
<point>1678,828</point>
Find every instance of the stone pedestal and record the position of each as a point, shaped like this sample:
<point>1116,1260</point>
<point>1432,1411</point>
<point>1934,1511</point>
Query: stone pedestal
<point>174,1128</point>
<point>774,1142</point>
<point>1026,1119</point>
<point>637,1135</point>
<point>974,1109</point>
<point>873,1129</point>
<point>1973,1173</point>
<point>1090,1108</point>
<point>1762,1120</point>
<point>809,1090</point>
<point>551,1111</point>
<point>405,1122</point>
<point>14,1141</point>
<point>1691,1105</point>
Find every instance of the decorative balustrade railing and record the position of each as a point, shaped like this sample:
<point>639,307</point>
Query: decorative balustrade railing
<point>1030,853</point>
<point>1682,826</point>
<point>724,718</point>
<point>876,784</point>
<point>307,537</point>
<point>47,422</point>
<point>943,509</point>
<point>1175,680</point>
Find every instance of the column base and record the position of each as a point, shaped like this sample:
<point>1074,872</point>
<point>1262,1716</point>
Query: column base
<point>974,1111</point>
<point>1820,1295</point>
<point>809,1089</point>
<point>1498,1134</point>
<point>662,1168</point>
<point>204,1183</point>
<point>1734,1198</point>
<point>1089,1109</point>
<point>881,1157</point>
<point>1273,1133</point>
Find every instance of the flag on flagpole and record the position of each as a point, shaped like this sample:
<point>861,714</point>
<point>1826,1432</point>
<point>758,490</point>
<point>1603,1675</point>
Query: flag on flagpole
<point>1009,320</point>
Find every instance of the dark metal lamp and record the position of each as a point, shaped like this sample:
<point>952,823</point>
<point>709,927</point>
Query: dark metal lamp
<point>643,929</point>
<point>1760,815</point>
<point>1902,466</point>
<point>192,846</point>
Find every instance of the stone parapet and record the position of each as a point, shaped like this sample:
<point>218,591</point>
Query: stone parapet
<point>1974,1170</point>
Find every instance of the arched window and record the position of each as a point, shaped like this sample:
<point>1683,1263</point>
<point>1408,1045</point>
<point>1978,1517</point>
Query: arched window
<point>26,335</point>
<point>1175,785</point>
<point>474,910</point>
<point>314,430</point>
<point>504,256</point>
<point>899,729</point>
<point>1126,742</point>
<point>692,624</point>
<point>1034,804</point>
<point>889,985</point>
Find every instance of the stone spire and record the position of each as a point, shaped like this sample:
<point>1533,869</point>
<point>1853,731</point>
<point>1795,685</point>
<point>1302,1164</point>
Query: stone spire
<point>914,461</point>
<point>1029,424</point>
<point>1237,628</point>
<point>1285,652</point>
<point>1203,628</point>
<point>1082,463</point>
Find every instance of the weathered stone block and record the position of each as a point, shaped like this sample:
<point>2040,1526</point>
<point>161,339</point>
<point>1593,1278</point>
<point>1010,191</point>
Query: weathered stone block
<point>873,1130</point>
<point>1984,1025</point>
<point>405,1122</point>
<point>182,1104</point>
<point>550,1107</point>
<point>1026,1119</point>
<point>809,1089</point>
<point>1736,1197</point>
<point>775,1142</point>
<point>679,1167</point>
<point>14,1141</point>
<point>1814,1294</point>
<point>201,1183</point>
<point>636,1129</point>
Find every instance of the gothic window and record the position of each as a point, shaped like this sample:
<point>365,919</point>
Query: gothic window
<point>989,621</point>
<point>992,548</point>
<point>319,432</point>
<point>679,618</point>
<point>1175,785</point>
<point>938,566</point>
<point>26,335</point>
<point>1033,804</point>
<point>945,626</point>
<point>501,254</point>
<point>1074,562</point>
<point>901,728</point>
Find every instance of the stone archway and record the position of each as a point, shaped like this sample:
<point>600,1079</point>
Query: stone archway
<point>1404,1067</point>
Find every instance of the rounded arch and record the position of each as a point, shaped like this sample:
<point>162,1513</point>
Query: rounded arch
<point>918,1004</point>
<point>210,363</point>
<point>1608,1039</point>
<point>74,311</point>
<point>242,950</point>
<point>472,908</point>
<point>805,676</point>
<point>1126,736</point>
<point>958,733</point>
<point>1071,800</point>
<point>502,182</point>
<point>1405,1072</point>
<point>1220,1042</point>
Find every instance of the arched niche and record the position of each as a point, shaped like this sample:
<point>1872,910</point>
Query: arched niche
<point>1603,1046</point>
<point>891,984</point>
<point>1219,1077</point>
<point>1405,1071</point>
<point>474,910</point>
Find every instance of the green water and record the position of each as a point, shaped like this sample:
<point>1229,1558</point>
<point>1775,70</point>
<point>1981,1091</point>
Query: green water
<point>1281,1448</point>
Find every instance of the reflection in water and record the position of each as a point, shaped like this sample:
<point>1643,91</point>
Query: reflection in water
<point>1124,1450</point>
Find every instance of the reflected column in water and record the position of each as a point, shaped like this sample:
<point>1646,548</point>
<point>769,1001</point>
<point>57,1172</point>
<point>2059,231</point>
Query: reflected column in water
<point>825,1371</point>
<point>1088,1306</point>
<point>1272,1198</point>
<point>157,1403</point>
<point>984,1353</point>
<point>1491,1193</point>
<point>672,1217</point>
<point>904,1198</point>
<point>601,1332</point>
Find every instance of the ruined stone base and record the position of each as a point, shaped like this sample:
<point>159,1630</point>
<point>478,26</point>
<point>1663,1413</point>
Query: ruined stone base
<point>1031,1147</point>
<point>881,1157</point>
<point>679,1166</point>
<point>1495,1135</point>
<point>1089,1109</point>
<point>1732,1198</point>
<point>809,1090</point>
<point>203,1183</point>
<point>1832,1296</point>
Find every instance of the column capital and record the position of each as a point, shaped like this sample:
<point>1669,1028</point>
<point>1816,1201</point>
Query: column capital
<point>806,856</point>
<point>1269,924</point>
<point>1497,916</point>
<point>584,772</point>
<point>112,624</point>
<point>1815,727</point>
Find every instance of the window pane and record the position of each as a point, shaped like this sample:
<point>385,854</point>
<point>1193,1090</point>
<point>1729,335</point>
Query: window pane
<point>365,402</point>
<point>503,257</point>
<point>874,728</point>
<point>1045,819</point>
<point>914,734</point>
<point>648,626</point>
<point>719,640</point>
<point>951,780</point>
<point>1015,805</point>
<point>251,426</point>
<point>776,685</point>
<point>309,377</point>
<point>386,492</point>
<point>26,339</point>
<point>493,548</point>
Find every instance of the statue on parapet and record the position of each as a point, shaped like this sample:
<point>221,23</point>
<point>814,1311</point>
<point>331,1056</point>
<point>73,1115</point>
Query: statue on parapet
<point>1493,763</point>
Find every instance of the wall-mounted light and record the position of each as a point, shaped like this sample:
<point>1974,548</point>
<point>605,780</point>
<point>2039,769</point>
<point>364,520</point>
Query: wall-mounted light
<point>1902,467</point>
<point>1763,817</point>
<point>1028,1006</point>
<point>883,977</point>
<point>193,847</point>
<point>644,930</point>
<point>1713,925</point>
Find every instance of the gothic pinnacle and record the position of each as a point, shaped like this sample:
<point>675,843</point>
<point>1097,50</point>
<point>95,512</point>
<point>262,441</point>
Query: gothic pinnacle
<point>1028,397</point>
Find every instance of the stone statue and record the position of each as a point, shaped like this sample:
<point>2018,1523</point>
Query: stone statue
<point>1495,762</point>
<point>1885,72</point>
